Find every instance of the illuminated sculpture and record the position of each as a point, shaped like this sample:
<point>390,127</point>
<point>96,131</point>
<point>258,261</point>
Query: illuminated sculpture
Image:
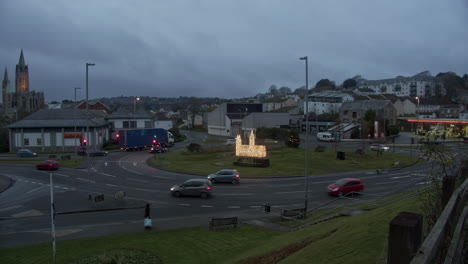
<point>251,154</point>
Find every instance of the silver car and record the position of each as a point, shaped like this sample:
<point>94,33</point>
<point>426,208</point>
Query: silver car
<point>379,147</point>
<point>225,175</point>
<point>193,187</point>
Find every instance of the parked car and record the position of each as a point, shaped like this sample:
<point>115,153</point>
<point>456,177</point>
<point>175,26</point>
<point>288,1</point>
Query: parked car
<point>48,165</point>
<point>225,175</point>
<point>158,149</point>
<point>193,187</point>
<point>24,153</point>
<point>230,141</point>
<point>345,186</point>
<point>95,153</point>
<point>379,147</point>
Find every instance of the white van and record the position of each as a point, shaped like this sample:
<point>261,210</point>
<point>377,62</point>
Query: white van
<point>325,136</point>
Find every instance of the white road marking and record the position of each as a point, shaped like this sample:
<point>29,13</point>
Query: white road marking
<point>147,190</point>
<point>233,206</point>
<point>289,192</point>
<point>206,206</point>
<point>131,179</point>
<point>105,174</point>
<point>386,182</point>
<point>11,207</point>
<point>85,180</point>
<point>184,204</point>
<point>163,177</point>
<point>63,175</point>
<point>284,185</point>
<point>398,177</point>
<point>428,182</point>
<point>112,185</point>
<point>255,206</point>
<point>233,194</point>
<point>35,189</point>
<point>134,164</point>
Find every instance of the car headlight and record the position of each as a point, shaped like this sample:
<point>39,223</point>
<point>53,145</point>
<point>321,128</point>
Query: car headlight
<point>172,189</point>
<point>334,189</point>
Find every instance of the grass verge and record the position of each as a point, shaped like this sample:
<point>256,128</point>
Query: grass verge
<point>283,162</point>
<point>358,239</point>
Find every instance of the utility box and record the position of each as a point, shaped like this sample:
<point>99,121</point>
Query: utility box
<point>404,238</point>
<point>340,155</point>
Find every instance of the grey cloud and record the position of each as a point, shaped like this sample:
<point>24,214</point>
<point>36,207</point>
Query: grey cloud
<point>226,48</point>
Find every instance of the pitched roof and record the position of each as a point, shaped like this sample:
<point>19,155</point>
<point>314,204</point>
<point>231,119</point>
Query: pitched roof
<point>366,104</point>
<point>62,118</point>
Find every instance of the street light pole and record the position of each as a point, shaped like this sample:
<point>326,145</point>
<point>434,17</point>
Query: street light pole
<point>134,104</point>
<point>74,119</point>
<point>417,129</point>
<point>307,131</point>
<point>87,129</point>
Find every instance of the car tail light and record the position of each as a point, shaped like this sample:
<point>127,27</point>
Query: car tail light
<point>237,175</point>
<point>208,188</point>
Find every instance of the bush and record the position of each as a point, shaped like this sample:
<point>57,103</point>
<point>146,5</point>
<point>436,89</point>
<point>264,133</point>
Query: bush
<point>194,147</point>
<point>320,149</point>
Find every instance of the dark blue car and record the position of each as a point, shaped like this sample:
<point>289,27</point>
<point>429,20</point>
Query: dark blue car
<point>25,153</point>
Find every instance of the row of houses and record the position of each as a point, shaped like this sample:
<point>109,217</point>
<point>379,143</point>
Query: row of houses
<point>62,129</point>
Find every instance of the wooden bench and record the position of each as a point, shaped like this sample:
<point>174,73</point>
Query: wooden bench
<point>230,221</point>
<point>298,213</point>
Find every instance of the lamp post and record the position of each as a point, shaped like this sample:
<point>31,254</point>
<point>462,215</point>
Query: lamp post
<point>74,119</point>
<point>87,128</point>
<point>307,130</point>
<point>417,129</point>
<point>134,104</point>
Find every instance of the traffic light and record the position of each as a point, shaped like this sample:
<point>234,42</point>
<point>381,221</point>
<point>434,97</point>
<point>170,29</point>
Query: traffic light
<point>117,136</point>
<point>84,142</point>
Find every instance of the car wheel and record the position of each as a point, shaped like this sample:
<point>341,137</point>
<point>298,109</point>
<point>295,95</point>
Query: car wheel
<point>203,195</point>
<point>177,194</point>
<point>235,182</point>
<point>213,181</point>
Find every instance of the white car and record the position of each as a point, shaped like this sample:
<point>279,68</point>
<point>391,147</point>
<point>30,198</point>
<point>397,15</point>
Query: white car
<point>379,147</point>
<point>230,141</point>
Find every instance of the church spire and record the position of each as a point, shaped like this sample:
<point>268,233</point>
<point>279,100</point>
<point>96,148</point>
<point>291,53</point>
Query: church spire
<point>21,60</point>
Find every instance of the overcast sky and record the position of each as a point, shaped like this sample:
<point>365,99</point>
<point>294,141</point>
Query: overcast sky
<point>221,48</point>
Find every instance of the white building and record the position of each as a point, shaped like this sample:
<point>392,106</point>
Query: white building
<point>422,84</point>
<point>326,102</point>
<point>59,130</point>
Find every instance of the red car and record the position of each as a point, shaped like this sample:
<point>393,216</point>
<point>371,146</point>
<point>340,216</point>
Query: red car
<point>345,186</point>
<point>48,165</point>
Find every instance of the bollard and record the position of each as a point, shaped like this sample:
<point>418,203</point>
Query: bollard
<point>267,208</point>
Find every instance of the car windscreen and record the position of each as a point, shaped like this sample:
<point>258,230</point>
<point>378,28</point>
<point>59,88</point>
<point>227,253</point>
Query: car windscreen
<point>340,182</point>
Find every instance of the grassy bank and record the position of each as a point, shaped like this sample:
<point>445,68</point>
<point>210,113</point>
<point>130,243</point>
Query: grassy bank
<point>283,162</point>
<point>358,239</point>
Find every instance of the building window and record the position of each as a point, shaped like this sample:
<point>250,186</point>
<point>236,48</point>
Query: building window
<point>26,142</point>
<point>354,114</point>
<point>125,124</point>
<point>133,124</point>
<point>345,112</point>
<point>39,141</point>
<point>147,124</point>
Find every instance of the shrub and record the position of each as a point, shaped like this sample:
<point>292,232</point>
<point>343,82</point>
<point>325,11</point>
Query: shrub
<point>194,147</point>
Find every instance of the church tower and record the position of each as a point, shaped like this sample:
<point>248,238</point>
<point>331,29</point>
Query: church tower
<point>22,75</point>
<point>5,88</point>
